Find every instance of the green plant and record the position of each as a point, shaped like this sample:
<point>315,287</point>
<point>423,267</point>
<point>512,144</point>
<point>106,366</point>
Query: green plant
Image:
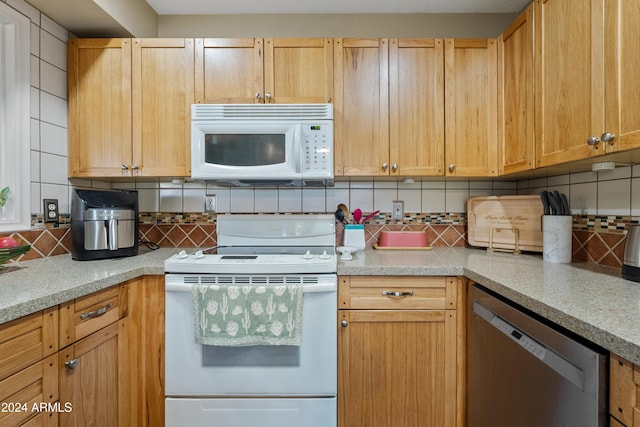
<point>4,194</point>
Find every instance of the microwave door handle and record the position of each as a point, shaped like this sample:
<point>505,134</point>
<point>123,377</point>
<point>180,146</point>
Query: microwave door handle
<point>112,234</point>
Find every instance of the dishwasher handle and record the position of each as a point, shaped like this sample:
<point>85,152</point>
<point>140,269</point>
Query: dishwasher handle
<point>560,365</point>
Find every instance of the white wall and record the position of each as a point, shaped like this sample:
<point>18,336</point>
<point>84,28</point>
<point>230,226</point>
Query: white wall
<point>48,109</point>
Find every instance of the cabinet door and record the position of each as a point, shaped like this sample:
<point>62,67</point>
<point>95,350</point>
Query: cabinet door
<point>471,94</point>
<point>163,87</point>
<point>361,122</point>
<point>229,71</point>
<point>397,368</point>
<point>516,135</point>
<point>569,79</point>
<point>29,391</point>
<point>622,390</point>
<point>27,340</point>
<point>298,70</point>
<point>416,93</point>
<point>622,85</point>
<point>94,379</point>
<point>99,85</point>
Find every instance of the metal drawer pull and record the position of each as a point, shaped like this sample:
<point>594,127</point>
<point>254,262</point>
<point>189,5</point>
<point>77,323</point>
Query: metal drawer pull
<point>397,293</point>
<point>71,364</point>
<point>96,313</point>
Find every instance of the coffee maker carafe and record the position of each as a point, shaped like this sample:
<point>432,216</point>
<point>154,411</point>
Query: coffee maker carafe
<point>104,224</point>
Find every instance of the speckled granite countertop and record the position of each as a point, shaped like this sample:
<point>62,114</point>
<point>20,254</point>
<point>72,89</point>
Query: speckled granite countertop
<point>598,305</point>
<point>595,303</point>
<point>27,287</point>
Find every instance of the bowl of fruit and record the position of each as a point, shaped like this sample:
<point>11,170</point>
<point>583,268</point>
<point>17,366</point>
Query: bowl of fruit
<point>9,248</point>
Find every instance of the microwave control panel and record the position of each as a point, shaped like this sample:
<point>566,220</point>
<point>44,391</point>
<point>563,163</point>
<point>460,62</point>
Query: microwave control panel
<point>318,148</point>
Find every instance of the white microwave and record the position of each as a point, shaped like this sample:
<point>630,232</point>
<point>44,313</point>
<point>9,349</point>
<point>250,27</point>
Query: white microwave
<point>262,144</point>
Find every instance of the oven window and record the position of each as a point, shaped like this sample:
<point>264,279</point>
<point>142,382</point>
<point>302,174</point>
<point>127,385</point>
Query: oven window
<point>244,149</point>
<point>256,356</point>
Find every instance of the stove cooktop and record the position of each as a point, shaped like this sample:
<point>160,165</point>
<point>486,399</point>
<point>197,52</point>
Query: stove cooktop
<point>255,260</point>
<point>264,244</point>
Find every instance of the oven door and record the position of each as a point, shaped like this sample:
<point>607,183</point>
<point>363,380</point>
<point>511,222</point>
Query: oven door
<point>201,370</point>
<point>246,149</point>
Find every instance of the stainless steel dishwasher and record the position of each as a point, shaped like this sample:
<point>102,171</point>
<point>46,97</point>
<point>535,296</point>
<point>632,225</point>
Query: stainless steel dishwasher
<point>524,372</point>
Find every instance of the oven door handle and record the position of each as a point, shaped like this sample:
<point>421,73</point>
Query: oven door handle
<point>307,288</point>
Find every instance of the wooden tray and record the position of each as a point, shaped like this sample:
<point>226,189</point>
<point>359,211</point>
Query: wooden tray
<point>502,214</point>
<point>401,248</point>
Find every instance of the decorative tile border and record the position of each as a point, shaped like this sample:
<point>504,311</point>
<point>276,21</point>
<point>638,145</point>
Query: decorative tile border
<point>596,238</point>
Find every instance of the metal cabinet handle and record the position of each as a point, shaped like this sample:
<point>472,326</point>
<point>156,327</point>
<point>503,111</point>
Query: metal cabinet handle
<point>267,96</point>
<point>394,167</point>
<point>385,165</point>
<point>593,140</point>
<point>258,96</point>
<point>607,137</point>
<point>397,293</point>
<point>452,167</point>
<point>124,167</point>
<point>344,323</point>
<point>134,167</point>
<point>71,364</point>
<point>96,313</point>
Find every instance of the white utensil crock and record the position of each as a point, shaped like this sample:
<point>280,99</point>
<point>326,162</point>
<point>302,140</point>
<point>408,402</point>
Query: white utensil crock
<point>556,238</point>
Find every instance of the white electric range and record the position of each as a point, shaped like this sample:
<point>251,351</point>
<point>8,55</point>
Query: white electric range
<point>284,386</point>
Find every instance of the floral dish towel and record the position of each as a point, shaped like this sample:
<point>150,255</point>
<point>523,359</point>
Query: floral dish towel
<point>238,315</point>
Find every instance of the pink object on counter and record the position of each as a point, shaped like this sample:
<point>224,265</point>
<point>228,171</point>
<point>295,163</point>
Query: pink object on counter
<point>405,239</point>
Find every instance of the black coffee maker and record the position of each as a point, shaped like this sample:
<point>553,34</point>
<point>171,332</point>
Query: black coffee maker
<point>104,224</point>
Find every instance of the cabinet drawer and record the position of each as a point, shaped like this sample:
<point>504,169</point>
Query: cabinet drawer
<point>397,293</point>
<point>86,315</point>
<point>22,393</point>
<point>27,340</point>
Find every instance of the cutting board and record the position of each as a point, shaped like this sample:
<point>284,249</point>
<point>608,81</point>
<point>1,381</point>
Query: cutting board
<point>502,214</point>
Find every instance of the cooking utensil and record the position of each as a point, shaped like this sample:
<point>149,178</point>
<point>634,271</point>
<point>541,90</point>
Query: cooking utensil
<point>357,215</point>
<point>371,215</point>
<point>544,196</point>
<point>556,204</point>
<point>345,212</point>
<point>565,204</point>
<point>340,216</point>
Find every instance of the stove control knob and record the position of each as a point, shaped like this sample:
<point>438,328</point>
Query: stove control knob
<point>324,255</point>
<point>307,255</point>
<point>182,254</point>
<point>198,254</point>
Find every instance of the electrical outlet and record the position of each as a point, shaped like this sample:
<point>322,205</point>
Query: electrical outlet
<point>210,203</point>
<point>397,212</point>
<point>51,213</point>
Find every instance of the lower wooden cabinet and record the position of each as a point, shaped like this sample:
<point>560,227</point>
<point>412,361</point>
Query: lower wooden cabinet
<point>624,392</point>
<point>109,370</point>
<point>94,379</point>
<point>398,358</point>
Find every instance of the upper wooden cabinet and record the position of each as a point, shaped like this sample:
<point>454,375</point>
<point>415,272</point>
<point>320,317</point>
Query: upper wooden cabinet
<point>163,85</point>
<point>622,85</point>
<point>471,95</point>
<point>361,107</point>
<point>516,132</point>
<point>250,70</point>
<point>389,112</point>
<point>569,66</point>
<point>99,74</point>
<point>416,101</point>
<point>129,107</point>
